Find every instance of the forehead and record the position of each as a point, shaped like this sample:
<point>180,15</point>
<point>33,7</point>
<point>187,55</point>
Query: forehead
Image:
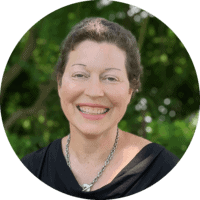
<point>94,53</point>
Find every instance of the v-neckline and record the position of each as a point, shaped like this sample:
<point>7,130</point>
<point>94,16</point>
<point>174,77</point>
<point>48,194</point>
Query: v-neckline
<point>135,159</point>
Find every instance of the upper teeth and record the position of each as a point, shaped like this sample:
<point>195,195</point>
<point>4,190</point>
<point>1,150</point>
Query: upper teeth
<point>92,110</point>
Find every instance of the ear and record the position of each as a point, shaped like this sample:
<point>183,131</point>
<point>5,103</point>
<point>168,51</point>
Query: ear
<point>59,84</point>
<point>130,93</point>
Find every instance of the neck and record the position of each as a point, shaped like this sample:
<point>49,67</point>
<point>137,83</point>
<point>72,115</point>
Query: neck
<point>92,147</point>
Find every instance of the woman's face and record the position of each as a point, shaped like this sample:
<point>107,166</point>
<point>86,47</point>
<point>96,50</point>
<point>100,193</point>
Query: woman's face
<point>95,91</point>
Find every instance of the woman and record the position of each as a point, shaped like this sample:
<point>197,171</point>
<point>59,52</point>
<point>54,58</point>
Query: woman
<point>97,73</point>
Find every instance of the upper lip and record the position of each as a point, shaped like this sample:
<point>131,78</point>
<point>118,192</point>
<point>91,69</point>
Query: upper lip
<point>92,105</point>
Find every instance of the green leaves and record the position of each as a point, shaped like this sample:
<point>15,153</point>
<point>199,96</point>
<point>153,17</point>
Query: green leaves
<point>175,136</point>
<point>168,74</point>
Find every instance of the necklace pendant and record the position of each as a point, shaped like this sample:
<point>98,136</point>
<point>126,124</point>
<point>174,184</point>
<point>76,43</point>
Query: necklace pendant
<point>86,187</point>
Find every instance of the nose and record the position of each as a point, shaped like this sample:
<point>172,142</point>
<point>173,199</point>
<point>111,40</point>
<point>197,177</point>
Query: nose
<point>94,88</point>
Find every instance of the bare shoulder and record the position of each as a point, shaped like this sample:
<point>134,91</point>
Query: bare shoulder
<point>134,142</point>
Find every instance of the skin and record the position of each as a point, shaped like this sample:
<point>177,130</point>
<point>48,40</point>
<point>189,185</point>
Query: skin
<point>96,73</point>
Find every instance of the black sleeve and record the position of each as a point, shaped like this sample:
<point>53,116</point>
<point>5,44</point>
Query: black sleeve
<point>33,161</point>
<point>166,162</point>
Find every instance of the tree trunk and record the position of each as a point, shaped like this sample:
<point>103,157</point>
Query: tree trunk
<point>44,92</point>
<point>15,70</point>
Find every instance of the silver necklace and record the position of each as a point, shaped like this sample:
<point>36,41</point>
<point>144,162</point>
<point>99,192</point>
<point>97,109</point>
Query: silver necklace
<point>87,187</point>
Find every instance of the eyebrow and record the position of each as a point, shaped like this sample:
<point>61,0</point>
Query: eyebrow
<point>107,69</point>
<point>79,64</point>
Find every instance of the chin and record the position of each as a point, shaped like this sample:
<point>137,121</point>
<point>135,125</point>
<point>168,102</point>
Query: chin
<point>90,130</point>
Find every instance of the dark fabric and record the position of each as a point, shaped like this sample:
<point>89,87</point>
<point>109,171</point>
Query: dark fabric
<point>150,165</point>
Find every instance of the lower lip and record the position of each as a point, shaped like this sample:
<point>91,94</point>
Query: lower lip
<point>93,117</point>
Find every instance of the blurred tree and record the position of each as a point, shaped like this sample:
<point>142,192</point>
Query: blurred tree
<point>162,111</point>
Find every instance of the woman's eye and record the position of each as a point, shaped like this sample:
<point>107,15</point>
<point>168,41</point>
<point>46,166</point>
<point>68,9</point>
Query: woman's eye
<point>111,79</point>
<point>79,76</point>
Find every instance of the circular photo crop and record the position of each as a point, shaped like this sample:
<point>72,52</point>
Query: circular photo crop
<point>99,100</point>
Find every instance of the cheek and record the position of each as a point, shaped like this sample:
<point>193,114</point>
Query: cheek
<point>69,91</point>
<point>119,100</point>
<point>120,96</point>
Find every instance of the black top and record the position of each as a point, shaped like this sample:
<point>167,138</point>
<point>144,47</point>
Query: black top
<point>150,165</point>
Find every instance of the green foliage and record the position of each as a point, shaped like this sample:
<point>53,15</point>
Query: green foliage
<point>30,104</point>
<point>175,136</point>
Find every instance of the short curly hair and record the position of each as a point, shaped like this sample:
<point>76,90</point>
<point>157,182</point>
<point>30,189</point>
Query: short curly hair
<point>101,30</point>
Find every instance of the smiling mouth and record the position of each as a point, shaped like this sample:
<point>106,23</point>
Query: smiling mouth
<point>92,110</point>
